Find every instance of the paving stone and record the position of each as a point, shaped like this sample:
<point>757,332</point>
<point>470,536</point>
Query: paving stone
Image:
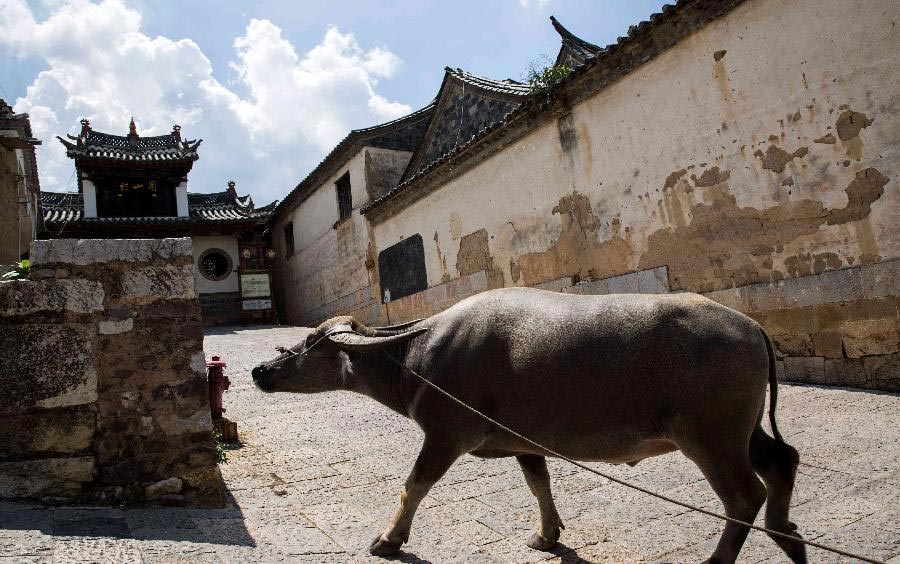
<point>90,522</point>
<point>96,550</point>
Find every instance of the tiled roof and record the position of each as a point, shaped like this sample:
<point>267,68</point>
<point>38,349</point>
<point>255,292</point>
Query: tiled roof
<point>506,86</point>
<point>61,207</point>
<point>401,134</point>
<point>161,149</point>
<point>218,207</point>
<point>574,51</point>
<point>644,41</point>
<point>465,104</point>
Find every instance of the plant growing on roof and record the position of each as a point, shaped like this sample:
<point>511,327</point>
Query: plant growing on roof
<point>543,75</point>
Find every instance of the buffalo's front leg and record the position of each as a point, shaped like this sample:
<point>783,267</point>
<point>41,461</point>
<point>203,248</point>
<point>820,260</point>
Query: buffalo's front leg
<point>535,469</point>
<point>433,461</point>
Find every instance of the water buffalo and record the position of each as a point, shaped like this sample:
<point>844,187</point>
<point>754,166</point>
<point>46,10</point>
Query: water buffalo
<point>615,378</point>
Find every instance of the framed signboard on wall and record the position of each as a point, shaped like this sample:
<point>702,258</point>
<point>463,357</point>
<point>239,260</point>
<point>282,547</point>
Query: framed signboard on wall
<point>255,286</point>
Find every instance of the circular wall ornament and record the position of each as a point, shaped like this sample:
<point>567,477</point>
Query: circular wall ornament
<point>214,264</point>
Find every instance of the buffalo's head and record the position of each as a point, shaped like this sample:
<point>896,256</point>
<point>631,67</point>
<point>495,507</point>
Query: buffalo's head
<point>320,361</point>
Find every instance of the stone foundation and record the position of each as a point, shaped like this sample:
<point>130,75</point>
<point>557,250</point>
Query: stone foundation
<point>105,396</point>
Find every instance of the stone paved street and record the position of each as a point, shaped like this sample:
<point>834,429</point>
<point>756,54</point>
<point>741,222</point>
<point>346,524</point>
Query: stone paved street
<point>318,477</point>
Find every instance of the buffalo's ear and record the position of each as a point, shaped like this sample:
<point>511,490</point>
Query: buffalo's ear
<point>354,342</point>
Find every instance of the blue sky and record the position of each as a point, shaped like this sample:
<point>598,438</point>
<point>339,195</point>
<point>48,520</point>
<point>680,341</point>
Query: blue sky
<point>269,86</point>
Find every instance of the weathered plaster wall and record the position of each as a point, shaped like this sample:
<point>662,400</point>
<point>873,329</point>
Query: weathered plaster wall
<point>105,396</point>
<point>762,148</point>
<point>9,208</point>
<point>734,179</point>
<point>330,260</point>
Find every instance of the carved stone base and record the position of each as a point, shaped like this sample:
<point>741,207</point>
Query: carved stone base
<point>227,429</point>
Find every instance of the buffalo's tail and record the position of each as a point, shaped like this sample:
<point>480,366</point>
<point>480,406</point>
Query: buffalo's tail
<point>773,386</point>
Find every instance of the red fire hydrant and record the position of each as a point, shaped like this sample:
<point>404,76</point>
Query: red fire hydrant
<point>218,383</point>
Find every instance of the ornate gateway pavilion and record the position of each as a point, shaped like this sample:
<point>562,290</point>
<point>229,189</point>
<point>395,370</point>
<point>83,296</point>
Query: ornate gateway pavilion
<point>136,187</point>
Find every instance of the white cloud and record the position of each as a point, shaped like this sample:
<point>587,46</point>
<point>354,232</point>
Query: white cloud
<point>536,3</point>
<point>103,67</point>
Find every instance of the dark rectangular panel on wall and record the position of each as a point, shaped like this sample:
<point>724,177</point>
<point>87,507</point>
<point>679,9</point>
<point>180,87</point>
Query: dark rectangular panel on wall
<point>401,269</point>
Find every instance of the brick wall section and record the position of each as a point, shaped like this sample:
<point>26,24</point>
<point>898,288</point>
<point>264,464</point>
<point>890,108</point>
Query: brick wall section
<point>104,379</point>
<point>838,327</point>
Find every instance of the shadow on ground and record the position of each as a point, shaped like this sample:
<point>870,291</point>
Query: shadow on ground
<point>223,525</point>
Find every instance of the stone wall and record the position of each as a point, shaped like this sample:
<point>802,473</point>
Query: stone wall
<point>105,396</point>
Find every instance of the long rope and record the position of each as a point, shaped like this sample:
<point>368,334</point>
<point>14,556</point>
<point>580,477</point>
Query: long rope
<point>623,482</point>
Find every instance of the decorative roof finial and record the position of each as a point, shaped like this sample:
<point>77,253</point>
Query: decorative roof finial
<point>231,189</point>
<point>132,128</point>
<point>176,131</point>
<point>85,126</point>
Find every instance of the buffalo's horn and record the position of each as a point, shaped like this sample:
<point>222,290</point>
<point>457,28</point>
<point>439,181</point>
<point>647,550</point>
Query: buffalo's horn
<point>390,330</point>
<point>354,342</point>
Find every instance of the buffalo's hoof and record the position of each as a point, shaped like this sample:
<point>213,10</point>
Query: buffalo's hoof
<point>537,542</point>
<point>383,547</point>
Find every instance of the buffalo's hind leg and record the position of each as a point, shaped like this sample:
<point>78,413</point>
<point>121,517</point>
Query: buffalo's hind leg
<point>776,462</point>
<point>728,470</point>
<point>435,458</point>
<point>535,469</point>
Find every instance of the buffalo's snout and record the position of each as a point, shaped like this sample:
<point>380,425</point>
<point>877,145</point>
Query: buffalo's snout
<point>261,377</point>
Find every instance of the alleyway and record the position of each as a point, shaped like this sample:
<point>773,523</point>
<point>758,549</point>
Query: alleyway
<point>318,477</point>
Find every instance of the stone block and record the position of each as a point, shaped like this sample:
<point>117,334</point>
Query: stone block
<point>730,297</point>
<point>163,487</point>
<point>790,344</point>
<point>763,297</point>
<point>625,284</point>
<point>62,431</point>
<point>845,372</point>
<point>45,477</point>
<point>173,424</point>
<point>883,372</point>
<point>827,344</point>
<point>833,286</point>
<point>809,369</point>
<point>592,288</point>
<point>881,279</point>
<point>57,369</point>
<point>92,251</point>
<point>26,297</point>
<point>866,337</point>
<point>115,327</point>
<point>654,280</point>
<point>153,283</point>
<point>556,285</point>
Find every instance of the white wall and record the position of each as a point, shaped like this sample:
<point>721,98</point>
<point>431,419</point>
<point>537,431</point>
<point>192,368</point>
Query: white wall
<point>89,194</point>
<point>181,199</point>
<point>227,243</point>
<point>329,261</point>
<point>614,201</point>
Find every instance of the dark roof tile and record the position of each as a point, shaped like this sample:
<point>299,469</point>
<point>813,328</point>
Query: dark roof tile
<point>161,149</point>
<point>218,207</point>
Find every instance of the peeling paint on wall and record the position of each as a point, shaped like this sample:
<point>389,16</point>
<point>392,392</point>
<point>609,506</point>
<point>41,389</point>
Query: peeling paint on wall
<point>578,250</point>
<point>727,245</point>
<point>475,255</point>
<point>775,158</point>
<point>848,126</point>
<point>862,192</point>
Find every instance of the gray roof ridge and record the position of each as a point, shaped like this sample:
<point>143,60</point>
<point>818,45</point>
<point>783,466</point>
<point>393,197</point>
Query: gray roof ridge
<point>567,35</point>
